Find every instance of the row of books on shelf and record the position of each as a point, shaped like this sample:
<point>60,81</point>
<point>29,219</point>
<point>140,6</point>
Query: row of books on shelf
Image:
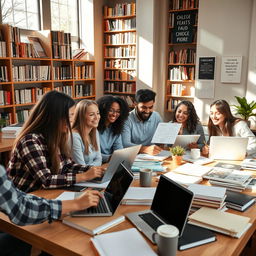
<point>61,45</point>
<point>84,72</point>
<point>181,73</point>
<point>30,73</point>
<point>172,22</point>
<point>3,74</point>
<point>62,72</point>
<point>121,51</point>
<point>119,24</point>
<point>29,95</point>
<point>177,89</point>
<point>5,97</point>
<point>172,103</point>
<point>23,50</point>
<point>82,90</point>
<point>183,4</point>
<point>67,89</point>
<point>22,115</point>
<point>3,49</point>
<point>125,63</point>
<point>120,38</point>
<point>124,9</point>
<point>120,75</point>
<point>183,56</point>
<point>120,87</point>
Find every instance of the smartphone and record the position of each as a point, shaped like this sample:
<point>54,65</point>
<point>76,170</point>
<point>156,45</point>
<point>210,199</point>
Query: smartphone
<point>76,188</point>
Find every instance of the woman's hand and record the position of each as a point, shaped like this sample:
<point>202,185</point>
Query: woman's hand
<point>151,150</point>
<point>205,150</point>
<point>93,172</point>
<point>193,145</point>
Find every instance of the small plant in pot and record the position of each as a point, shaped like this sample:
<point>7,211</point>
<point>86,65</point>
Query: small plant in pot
<point>177,153</point>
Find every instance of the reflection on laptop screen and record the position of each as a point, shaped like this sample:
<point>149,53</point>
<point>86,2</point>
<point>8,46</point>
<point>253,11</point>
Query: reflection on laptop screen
<point>118,186</point>
<point>172,202</point>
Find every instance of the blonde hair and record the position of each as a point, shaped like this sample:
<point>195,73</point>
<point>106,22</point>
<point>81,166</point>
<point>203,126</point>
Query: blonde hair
<point>79,125</point>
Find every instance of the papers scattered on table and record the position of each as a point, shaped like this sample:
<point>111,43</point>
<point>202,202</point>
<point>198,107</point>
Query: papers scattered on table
<point>166,133</point>
<point>153,165</point>
<point>126,243</point>
<point>160,157</point>
<point>249,164</point>
<point>223,222</point>
<point>139,196</point>
<point>92,184</point>
<point>183,179</point>
<point>193,169</point>
<point>200,161</point>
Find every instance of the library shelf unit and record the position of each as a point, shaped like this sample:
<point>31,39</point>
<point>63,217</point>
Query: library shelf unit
<point>119,48</point>
<point>181,60</point>
<point>26,75</point>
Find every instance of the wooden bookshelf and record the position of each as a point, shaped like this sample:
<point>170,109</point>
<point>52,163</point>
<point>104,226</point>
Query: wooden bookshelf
<point>181,59</point>
<point>119,48</point>
<point>25,76</point>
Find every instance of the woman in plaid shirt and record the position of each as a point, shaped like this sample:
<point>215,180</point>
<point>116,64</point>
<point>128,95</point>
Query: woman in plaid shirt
<point>41,155</point>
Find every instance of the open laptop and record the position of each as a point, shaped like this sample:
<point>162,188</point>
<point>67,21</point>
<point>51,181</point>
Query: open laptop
<point>112,195</point>
<point>227,148</point>
<point>125,156</point>
<point>171,205</point>
<point>184,140</point>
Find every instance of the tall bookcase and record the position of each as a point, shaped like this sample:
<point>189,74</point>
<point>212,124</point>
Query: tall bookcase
<point>119,64</point>
<point>182,41</point>
<point>26,75</point>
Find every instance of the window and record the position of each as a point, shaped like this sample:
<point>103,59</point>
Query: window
<point>21,13</point>
<point>64,16</point>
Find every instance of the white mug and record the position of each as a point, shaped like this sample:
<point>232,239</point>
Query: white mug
<point>195,153</point>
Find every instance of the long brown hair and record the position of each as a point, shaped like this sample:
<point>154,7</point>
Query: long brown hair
<point>79,125</point>
<point>223,107</point>
<point>48,117</point>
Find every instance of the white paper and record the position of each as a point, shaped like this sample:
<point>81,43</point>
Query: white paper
<point>183,179</point>
<point>92,184</point>
<point>231,68</point>
<point>166,133</point>
<point>193,169</point>
<point>159,157</point>
<point>66,196</point>
<point>138,193</point>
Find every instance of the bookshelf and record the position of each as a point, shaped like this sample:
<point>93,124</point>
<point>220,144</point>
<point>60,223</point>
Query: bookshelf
<point>40,64</point>
<point>181,60</point>
<point>119,48</point>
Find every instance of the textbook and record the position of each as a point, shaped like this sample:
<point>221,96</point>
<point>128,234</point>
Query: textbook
<point>239,201</point>
<point>223,222</point>
<point>93,225</point>
<point>193,236</point>
<point>122,243</point>
<point>193,169</point>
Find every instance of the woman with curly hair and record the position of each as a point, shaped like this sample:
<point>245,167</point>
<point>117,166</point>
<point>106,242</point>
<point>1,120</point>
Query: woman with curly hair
<point>185,114</point>
<point>114,111</point>
<point>223,123</point>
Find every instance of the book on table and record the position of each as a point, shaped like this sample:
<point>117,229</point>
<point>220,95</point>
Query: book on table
<point>239,201</point>
<point>183,179</point>
<point>223,222</point>
<point>200,161</point>
<point>192,169</point>
<point>252,184</point>
<point>93,225</point>
<point>249,163</point>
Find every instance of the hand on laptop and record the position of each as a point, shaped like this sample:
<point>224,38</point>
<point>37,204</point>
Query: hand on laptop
<point>93,172</point>
<point>193,145</point>
<point>151,150</point>
<point>205,150</point>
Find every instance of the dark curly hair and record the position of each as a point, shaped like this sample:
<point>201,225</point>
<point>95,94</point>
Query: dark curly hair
<point>192,120</point>
<point>104,104</point>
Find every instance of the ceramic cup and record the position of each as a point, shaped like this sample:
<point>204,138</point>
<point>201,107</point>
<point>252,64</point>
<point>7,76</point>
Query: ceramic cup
<point>195,153</point>
<point>145,177</point>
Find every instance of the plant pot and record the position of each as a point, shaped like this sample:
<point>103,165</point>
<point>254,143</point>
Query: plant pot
<point>177,160</point>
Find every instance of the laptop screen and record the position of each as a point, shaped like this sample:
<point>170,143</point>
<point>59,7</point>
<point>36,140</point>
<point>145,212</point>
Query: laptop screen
<point>172,202</point>
<point>118,186</point>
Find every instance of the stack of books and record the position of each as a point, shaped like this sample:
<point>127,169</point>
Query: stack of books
<point>249,164</point>
<point>184,180</point>
<point>12,131</point>
<point>231,179</point>
<point>223,222</point>
<point>209,196</point>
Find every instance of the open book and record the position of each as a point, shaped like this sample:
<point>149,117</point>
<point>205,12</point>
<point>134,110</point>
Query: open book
<point>122,243</point>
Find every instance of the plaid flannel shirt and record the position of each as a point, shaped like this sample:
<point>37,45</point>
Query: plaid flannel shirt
<point>23,209</point>
<point>29,166</point>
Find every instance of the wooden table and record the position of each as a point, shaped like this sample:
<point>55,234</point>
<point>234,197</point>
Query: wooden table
<point>59,239</point>
<point>5,149</point>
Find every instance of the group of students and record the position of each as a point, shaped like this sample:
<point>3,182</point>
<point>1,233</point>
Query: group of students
<point>62,143</point>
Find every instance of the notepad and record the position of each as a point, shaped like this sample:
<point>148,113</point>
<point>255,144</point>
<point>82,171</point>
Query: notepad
<point>193,169</point>
<point>183,179</point>
<point>126,243</point>
<point>223,222</point>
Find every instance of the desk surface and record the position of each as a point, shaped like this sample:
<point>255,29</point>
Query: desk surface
<point>6,144</point>
<point>60,239</point>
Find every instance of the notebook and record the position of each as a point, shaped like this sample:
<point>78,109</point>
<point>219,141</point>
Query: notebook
<point>112,195</point>
<point>171,205</point>
<point>125,156</point>
<point>227,148</point>
<point>184,140</point>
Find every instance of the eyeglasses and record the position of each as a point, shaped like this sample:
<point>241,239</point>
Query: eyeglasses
<point>112,111</point>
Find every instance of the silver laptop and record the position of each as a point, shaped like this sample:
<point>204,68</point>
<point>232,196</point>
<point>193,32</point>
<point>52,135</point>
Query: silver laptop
<point>171,205</point>
<point>125,156</point>
<point>184,140</point>
<point>112,195</point>
<point>227,148</point>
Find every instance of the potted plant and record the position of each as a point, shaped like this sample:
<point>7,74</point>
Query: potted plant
<point>245,109</point>
<point>177,153</point>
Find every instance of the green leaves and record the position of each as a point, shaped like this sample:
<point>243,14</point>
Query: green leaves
<point>244,109</point>
<point>177,151</point>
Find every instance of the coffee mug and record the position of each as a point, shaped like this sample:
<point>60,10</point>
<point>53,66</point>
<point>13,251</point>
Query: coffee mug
<point>145,177</point>
<point>166,238</point>
<point>195,153</point>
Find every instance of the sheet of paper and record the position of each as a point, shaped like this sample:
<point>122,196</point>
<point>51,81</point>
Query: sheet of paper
<point>166,133</point>
<point>66,196</point>
<point>160,157</point>
<point>140,193</point>
<point>92,184</point>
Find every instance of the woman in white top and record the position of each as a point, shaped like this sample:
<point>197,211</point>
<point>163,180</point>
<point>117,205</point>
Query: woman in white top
<point>223,123</point>
<point>86,144</point>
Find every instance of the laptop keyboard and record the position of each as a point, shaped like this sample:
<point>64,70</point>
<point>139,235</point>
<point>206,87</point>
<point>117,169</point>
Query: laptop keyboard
<point>101,208</point>
<point>151,220</point>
